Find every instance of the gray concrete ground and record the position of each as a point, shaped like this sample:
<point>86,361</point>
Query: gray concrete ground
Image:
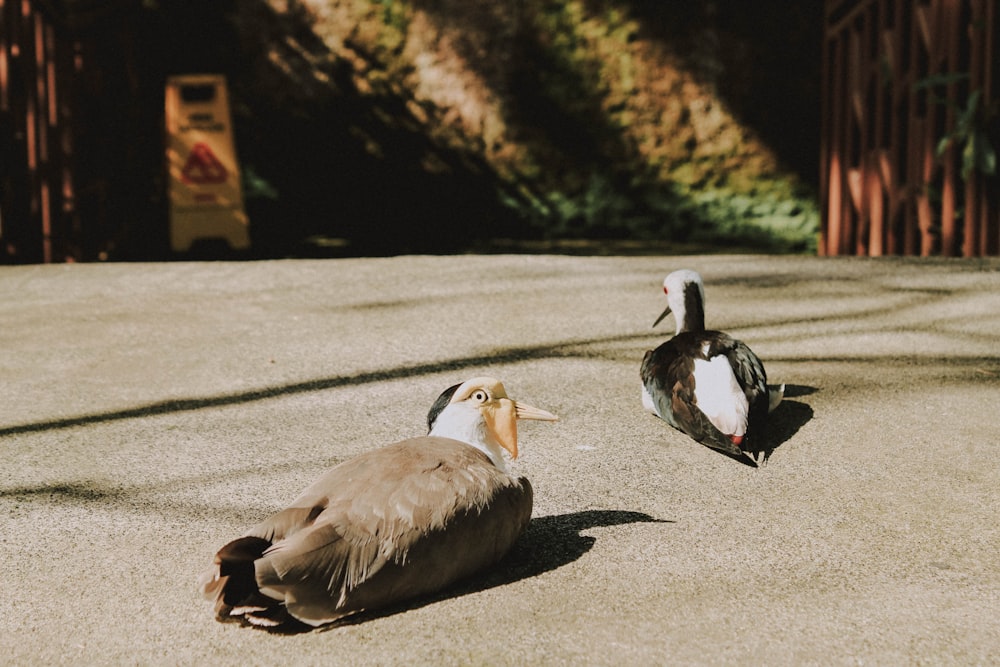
<point>151,412</point>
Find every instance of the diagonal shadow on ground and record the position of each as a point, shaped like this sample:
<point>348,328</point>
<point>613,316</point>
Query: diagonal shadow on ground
<point>506,356</point>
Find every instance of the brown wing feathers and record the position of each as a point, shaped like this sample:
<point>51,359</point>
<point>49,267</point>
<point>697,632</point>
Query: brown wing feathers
<point>342,545</point>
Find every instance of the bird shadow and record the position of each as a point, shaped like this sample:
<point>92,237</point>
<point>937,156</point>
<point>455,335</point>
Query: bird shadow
<point>782,424</point>
<point>785,421</point>
<point>548,543</point>
<point>796,390</point>
<point>551,542</point>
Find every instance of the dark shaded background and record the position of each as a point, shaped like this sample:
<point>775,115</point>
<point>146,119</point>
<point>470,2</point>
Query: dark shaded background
<point>305,144</point>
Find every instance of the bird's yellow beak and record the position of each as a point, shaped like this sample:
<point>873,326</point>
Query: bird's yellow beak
<point>501,419</point>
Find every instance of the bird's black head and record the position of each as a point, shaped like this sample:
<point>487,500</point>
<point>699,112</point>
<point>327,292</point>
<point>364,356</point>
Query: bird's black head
<point>440,404</point>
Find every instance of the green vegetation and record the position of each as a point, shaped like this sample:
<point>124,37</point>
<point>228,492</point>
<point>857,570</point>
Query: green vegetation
<point>631,147</point>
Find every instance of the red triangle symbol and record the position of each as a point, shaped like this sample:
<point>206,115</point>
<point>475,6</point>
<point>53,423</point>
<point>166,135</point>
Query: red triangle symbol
<point>202,167</point>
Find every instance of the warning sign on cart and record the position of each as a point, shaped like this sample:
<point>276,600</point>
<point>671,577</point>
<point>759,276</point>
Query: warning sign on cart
<point>202,167</point>
<point>206,197</point>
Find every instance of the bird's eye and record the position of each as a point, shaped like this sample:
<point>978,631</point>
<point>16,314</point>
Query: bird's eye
<point>480,396</point>
<point>665,291</point>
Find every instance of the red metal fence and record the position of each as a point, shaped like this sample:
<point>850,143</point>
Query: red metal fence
<point>909,138</point>
<point>35,69</point>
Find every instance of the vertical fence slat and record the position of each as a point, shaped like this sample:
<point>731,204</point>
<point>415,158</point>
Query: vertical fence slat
<point>35,172</point>
<point>989,211</point>
<point>971,218</point>
<point>947,35</point>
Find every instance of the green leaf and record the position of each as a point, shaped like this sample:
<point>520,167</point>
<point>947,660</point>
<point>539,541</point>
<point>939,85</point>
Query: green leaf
<point>943,145</point>
<point>968,158</point>
<point>940,80</point>
<point>986,155</point>
<point>963,126</point>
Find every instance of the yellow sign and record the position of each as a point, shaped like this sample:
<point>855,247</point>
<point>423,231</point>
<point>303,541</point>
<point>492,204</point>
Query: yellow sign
<point>206,196</point>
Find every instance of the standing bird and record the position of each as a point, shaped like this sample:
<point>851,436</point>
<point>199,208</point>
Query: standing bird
<point>390,524</point>
<point>704,383</point>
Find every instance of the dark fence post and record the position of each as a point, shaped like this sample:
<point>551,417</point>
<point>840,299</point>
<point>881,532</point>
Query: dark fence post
<point>38,221</point>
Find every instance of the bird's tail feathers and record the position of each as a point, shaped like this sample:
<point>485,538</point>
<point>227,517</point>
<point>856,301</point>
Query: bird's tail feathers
<point>715,439</point>
<point>231,582</point>
<point>726,446</point>
<point>774,396</point>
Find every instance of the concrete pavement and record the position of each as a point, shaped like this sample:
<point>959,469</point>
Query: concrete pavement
<point>151,412</point>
